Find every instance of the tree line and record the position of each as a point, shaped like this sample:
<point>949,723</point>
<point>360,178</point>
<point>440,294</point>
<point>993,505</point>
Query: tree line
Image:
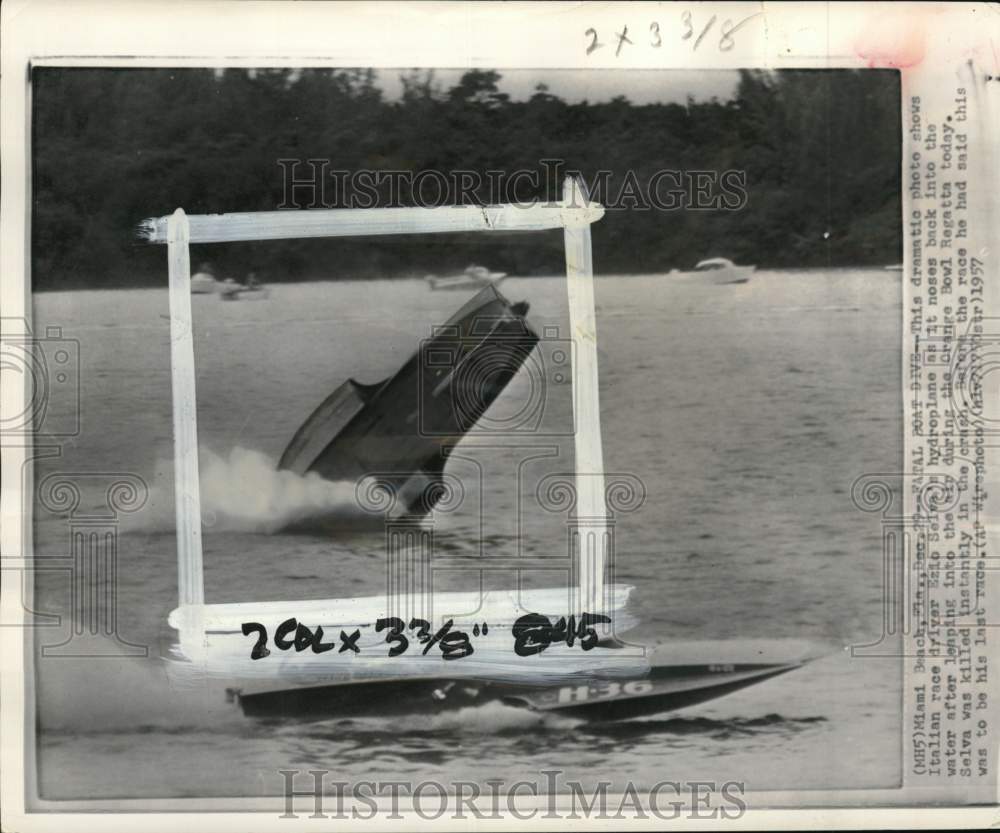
<point>817,153</point>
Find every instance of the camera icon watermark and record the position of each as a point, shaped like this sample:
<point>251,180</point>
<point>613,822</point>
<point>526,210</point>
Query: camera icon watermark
<point>48,369</point>
<point>498,377</point>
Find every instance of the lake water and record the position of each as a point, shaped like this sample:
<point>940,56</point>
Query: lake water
<point>746,412</point>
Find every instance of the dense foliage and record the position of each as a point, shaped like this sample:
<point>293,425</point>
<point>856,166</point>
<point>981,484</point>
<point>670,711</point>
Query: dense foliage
<point>821,152</point>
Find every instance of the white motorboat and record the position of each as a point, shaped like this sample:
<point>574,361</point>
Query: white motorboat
<point>715,270</point>
<point>473,277</point>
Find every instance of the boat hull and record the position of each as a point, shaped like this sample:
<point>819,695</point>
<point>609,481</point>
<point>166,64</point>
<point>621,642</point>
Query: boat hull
<point>446,284</point>
<point>245,294</point>
<point>463,282</point>
<point>716,277</point>
<point>664,688</point>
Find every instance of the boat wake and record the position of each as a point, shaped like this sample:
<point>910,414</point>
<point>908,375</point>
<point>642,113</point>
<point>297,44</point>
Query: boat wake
<point>499,719</point>
<point>718,729</point>
<point>491,718</point>
<point>245,492</point>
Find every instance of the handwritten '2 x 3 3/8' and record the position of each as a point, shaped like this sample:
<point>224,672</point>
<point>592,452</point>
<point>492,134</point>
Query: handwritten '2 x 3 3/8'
<point>688,29</point>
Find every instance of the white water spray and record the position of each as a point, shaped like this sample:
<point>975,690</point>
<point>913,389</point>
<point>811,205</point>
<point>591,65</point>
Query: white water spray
<point>245,492</point>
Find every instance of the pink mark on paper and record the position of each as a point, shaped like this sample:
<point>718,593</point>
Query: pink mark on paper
<point>892,41</point>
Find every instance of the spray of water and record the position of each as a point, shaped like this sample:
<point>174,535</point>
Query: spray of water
<point>493,717</point>
<point>488,718</point>
<point>245,492</point>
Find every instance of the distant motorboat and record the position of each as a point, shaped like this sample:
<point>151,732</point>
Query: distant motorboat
<point>715,270</point>
<point>472,277</point>
<point>231,290</point>
<point>203,283</point>
<point>895,267</point>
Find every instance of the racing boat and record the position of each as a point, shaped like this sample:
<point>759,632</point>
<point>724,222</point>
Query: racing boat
<point>401,430</point>
<point>664,688</point>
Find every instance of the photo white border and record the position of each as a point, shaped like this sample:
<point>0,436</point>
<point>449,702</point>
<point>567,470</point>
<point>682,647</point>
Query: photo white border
<point>391,35</point>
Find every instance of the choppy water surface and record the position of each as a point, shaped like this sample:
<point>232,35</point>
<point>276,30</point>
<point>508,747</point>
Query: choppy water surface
<point>746,412</point>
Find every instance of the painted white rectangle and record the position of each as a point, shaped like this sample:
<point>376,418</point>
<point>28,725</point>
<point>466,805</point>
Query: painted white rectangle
<point>201,626</point>
<point>360,222</point>
<point>500,607</point>
<point>187,492</point>
<point>221,649</point>
<point>592,538</point>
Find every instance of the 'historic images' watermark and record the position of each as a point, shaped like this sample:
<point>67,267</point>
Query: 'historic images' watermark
<point>496,798</point>
<point>314,183</point>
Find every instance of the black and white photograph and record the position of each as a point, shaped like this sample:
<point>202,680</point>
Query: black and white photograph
<point>432,439</point>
